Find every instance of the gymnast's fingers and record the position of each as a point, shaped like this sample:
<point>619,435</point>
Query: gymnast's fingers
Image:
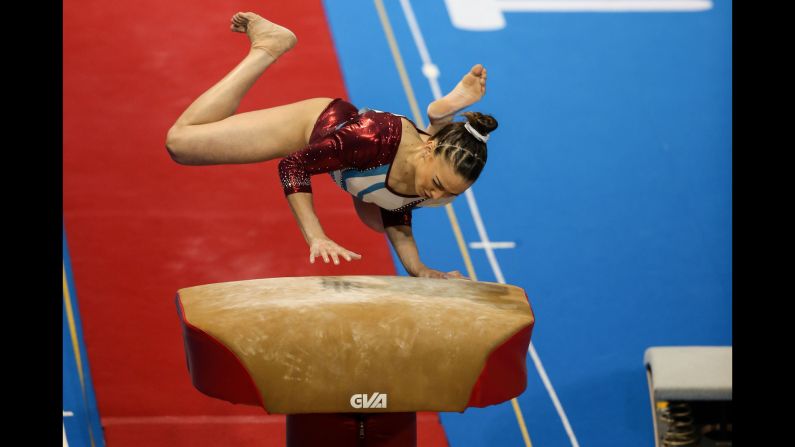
<point>430,273</point>
<point>325,256</point>
<point>456,274</point>
<point>335,258</point>
<point>349,255</point>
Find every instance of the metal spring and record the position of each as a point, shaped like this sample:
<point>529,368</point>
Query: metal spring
<point>680,429</point>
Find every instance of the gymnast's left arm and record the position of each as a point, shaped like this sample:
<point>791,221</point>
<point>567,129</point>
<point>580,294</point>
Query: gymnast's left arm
<point>402,239</point>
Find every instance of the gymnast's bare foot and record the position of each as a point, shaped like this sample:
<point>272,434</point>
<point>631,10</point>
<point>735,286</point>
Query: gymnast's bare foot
<point>469,90</point>
<point>263,34</point>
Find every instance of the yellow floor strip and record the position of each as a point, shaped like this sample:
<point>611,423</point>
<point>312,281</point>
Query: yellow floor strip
<point>520,420</point>
<point>462,246</point>
<point>418,118</point>
<point>404,77</point>
<point>70,318</point>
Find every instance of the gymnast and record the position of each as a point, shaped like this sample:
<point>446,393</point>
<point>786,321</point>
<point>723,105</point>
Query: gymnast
<point>383,160</point>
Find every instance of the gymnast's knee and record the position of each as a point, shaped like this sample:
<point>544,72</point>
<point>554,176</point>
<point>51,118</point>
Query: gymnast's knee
<point>176,145</point>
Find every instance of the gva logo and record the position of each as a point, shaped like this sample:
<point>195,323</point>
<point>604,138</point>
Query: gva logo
<point>377,400</point>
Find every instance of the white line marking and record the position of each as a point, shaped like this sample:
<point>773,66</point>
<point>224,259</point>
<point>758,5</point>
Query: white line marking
<point>473,208</point>
<point>420,42</point>
<point>603,6</point>
<point>489,15</point>
<point>429,69</point>
<point>552,394</point>
<point>478,245</point>
<point>63,426</point>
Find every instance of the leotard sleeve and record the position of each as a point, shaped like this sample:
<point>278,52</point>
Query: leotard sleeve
<point>359,143</point>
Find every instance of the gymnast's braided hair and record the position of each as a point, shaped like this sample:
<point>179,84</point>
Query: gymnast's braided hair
<point>463,144</point>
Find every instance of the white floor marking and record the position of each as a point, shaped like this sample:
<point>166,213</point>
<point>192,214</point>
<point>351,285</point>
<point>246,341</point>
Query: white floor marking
<point>488,15</point>
<point>481,228</point>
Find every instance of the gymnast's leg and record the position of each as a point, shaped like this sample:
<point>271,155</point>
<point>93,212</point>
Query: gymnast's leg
<point>208,132</point>
<point>468,91</point>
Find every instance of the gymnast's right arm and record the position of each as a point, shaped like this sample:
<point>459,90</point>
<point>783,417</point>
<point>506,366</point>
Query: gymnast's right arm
<point>319,244</point>
<point>402,239</point>
<point>295,171</point>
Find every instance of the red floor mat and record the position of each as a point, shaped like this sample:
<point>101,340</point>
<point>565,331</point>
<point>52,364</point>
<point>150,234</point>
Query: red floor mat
<point>140,227</point>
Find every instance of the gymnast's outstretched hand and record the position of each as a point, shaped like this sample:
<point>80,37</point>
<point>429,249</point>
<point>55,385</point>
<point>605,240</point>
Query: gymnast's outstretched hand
<point>325,248</point>
<point>431,273</point>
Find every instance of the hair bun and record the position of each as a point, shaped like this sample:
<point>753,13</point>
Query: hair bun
<point>484,124</point>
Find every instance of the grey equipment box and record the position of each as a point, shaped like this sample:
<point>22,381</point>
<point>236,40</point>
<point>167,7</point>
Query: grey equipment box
<point>690,389</point>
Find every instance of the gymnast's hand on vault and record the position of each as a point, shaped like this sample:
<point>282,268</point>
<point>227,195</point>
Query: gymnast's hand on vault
<point>324,247</point>
<point>431,273</point>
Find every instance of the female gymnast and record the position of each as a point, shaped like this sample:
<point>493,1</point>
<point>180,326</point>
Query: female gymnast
<point>388,164</point>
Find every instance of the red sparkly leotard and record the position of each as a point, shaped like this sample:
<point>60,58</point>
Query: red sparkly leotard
<point>357,148</point>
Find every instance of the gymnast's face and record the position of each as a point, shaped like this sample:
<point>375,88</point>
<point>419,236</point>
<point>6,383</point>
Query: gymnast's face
<point>435,177</point>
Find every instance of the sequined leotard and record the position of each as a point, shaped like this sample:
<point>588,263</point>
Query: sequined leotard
<point>357,148</point>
